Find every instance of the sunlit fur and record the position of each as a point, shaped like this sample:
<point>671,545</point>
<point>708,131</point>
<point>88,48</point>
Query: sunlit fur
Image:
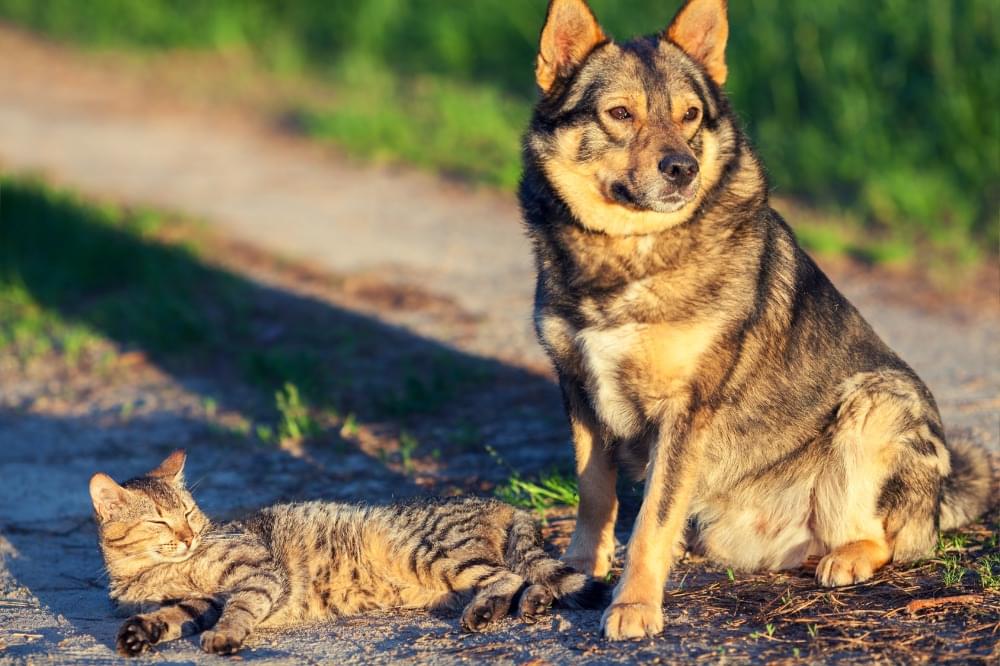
<point>700,349</point>
<point>294,563</point>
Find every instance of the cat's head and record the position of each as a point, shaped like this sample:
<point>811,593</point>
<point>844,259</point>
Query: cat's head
<point>147,520</point>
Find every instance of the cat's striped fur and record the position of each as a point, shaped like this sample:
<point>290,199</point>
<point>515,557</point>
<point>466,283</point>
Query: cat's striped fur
<point>290,563</point>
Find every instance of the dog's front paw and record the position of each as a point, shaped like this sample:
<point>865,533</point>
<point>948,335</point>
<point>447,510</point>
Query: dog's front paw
<point>221,642</point>
<point>844,568</point>
<point>137,634</point>
<point>587,565</point>
<point>594,561</point>
<point>624,621</point>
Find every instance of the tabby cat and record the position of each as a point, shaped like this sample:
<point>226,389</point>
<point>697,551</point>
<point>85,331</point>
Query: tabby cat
<point>291,563</point>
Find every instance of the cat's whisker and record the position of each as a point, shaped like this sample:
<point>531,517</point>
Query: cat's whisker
<point>192,486</point>
<point>124,559</point>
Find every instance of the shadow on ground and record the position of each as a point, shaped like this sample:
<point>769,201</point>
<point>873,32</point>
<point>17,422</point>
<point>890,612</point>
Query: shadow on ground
<point>166,303</point>
<point>108,270</point>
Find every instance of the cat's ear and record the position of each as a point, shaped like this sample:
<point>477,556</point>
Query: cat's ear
<point>171,469</point>
<point>108,497</point>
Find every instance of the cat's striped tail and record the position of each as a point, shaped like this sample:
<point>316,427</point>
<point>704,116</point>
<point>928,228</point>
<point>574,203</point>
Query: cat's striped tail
<point>568,587</point>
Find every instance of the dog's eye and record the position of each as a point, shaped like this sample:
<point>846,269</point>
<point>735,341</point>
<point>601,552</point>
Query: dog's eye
<point>691,114</point>
<point>619,113</point>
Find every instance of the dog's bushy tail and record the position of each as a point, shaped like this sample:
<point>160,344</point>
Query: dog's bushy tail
<point>965,492</point>
<point>569,587</point>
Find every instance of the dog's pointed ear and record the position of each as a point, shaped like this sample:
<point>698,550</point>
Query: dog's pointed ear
<point>108,497</point>
<point>570,33</point>
<point>171,469</point>
<point>701,29</point>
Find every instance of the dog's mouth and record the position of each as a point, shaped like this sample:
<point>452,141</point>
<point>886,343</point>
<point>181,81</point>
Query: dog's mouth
<point>672,202</point>
<point>661,198</point>
<point>621,194</point>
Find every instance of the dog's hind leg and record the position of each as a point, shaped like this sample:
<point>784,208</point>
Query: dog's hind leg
<point>876,496</point>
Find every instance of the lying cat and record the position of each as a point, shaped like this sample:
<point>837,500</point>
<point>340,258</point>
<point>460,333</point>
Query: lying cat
<point>293,563</point>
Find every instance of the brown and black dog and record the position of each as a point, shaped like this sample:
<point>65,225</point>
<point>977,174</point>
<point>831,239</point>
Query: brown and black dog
<point>698,347</point>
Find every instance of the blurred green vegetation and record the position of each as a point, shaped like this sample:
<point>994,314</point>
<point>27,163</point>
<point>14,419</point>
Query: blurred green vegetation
<point>884,112</point>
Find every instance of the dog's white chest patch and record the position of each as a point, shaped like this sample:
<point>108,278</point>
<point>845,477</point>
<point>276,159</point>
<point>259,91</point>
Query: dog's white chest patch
<point>603,351</point>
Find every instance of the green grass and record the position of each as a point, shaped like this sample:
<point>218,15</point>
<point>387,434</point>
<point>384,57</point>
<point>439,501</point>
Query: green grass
<point>951,548</point>
<point>988,569</point>
<point>952,571</point>
<point>848,238</point>
<point>465,435</point>
<point>428,386</point>
<point>80,260</point>
<point>296,422</point>
<point>350,427</point>
<point>408,445</point>
<point>883,111</point>
<point>953,542</point>
<point>452,127</point>
<point>29,331</point>
<point>541,493</point>
<point>963,558</point>
<point>769,630</point>
<point>553,488</point>
<point>58,255</point>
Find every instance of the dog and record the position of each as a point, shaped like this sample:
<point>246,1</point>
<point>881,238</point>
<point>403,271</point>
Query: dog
<point>698,347</point>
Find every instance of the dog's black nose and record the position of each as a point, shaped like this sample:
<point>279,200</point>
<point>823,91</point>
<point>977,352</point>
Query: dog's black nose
<point>678,168</point>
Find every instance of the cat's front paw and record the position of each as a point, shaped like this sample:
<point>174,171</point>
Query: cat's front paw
<point>483,611</point>
<point>137,635</point>
<point>221,642</point>
<point>536,600</point>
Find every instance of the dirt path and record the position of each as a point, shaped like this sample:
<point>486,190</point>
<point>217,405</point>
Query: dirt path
<point>111,133</point>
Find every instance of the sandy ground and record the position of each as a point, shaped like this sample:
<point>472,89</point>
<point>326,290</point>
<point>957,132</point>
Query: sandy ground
<point>111,134</point>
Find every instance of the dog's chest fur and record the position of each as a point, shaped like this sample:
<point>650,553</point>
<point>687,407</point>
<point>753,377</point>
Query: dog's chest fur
<point>602,354</point>
<point>631,370</point>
